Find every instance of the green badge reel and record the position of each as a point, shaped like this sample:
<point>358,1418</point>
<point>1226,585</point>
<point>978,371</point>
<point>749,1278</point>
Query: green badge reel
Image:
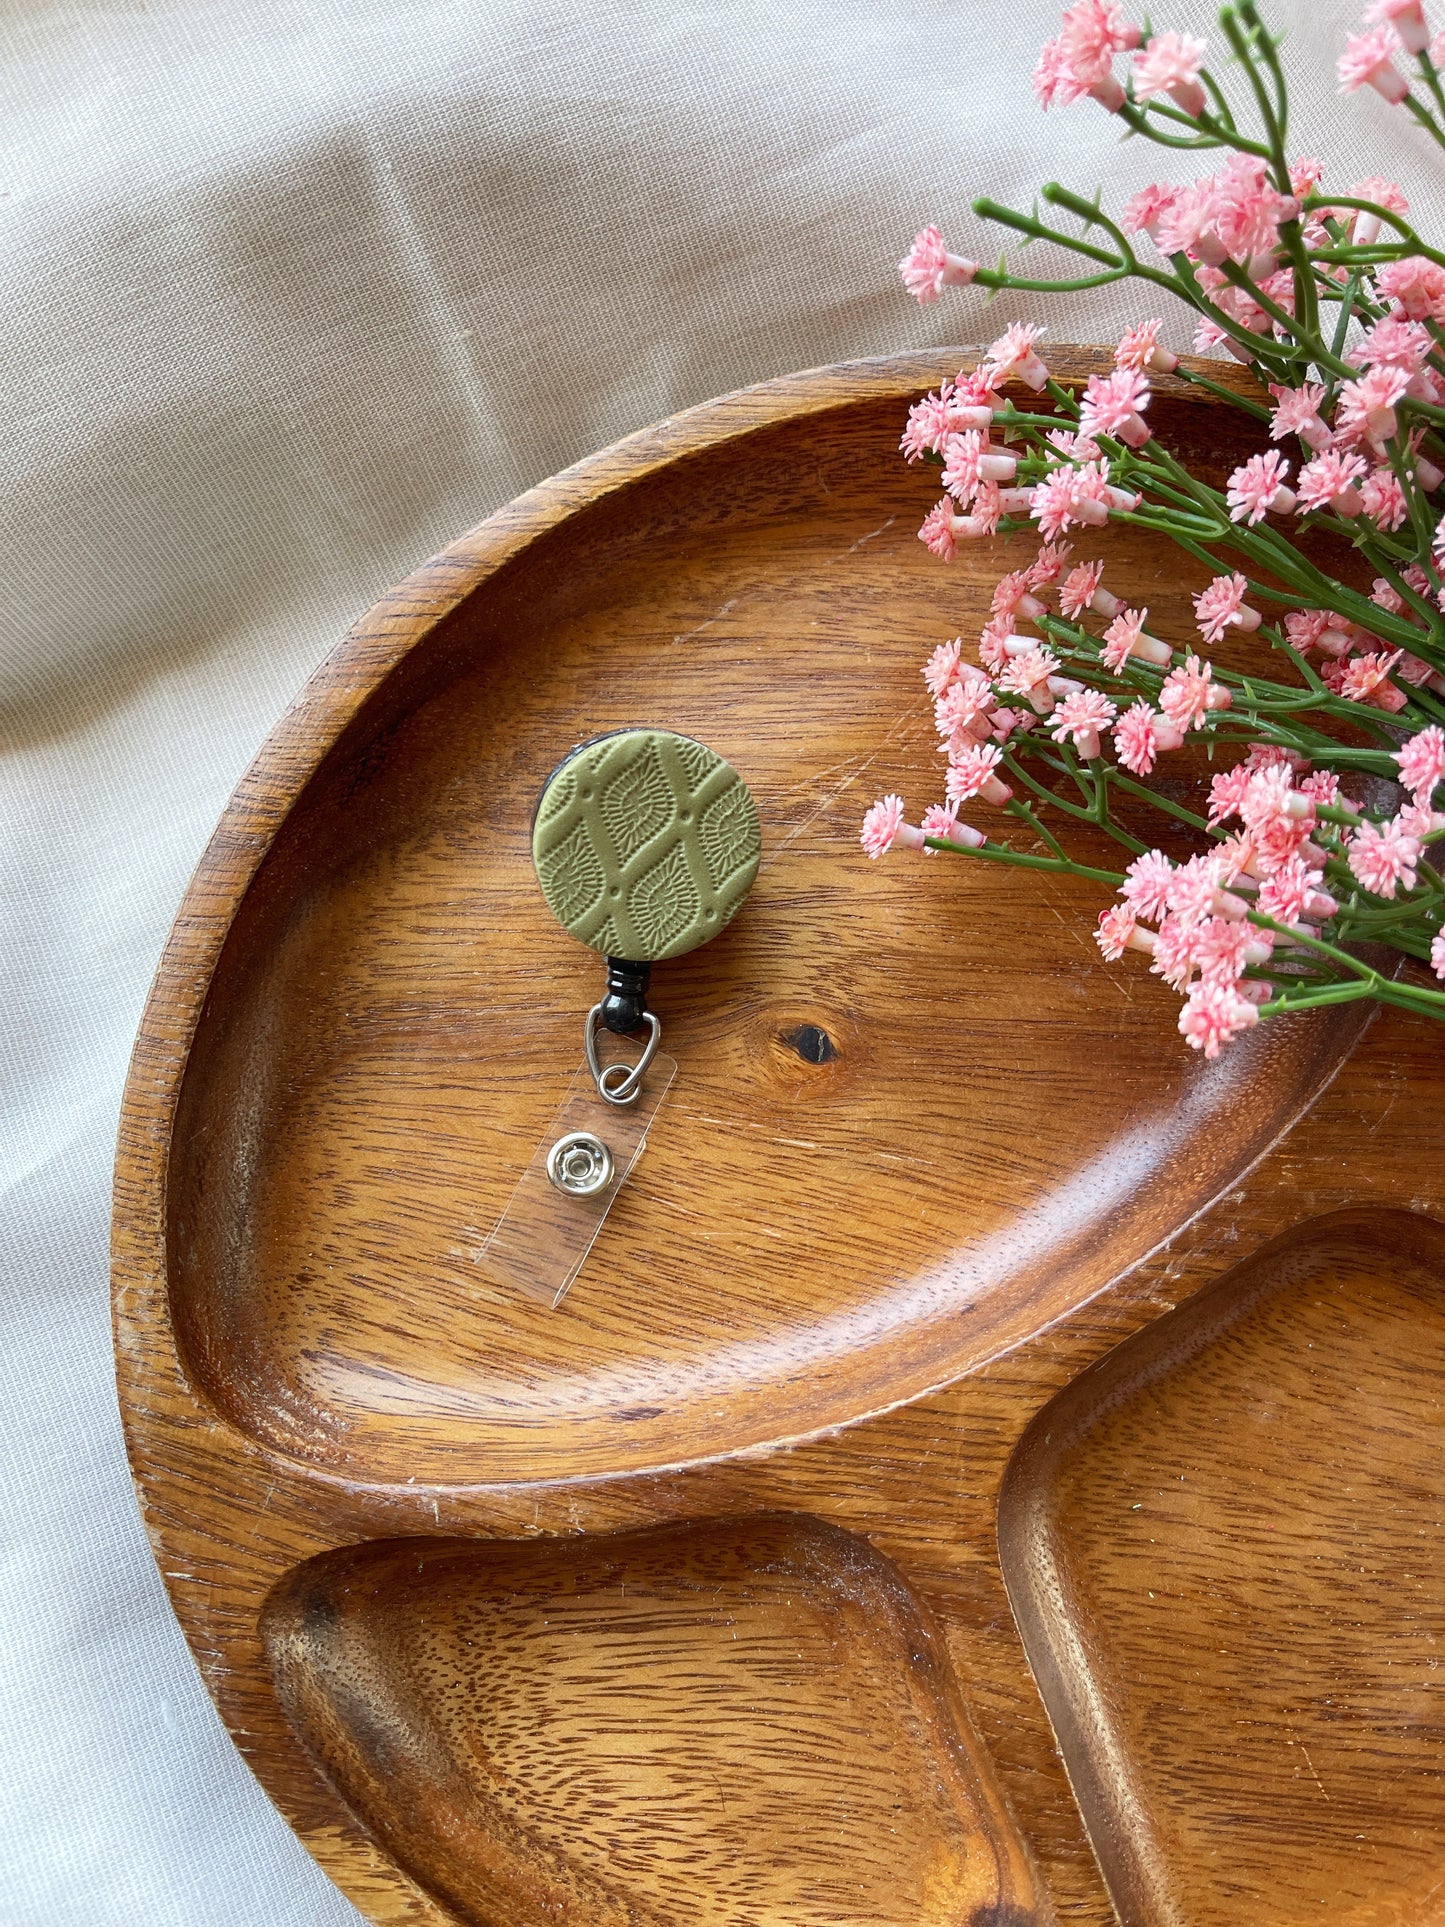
<point>645,844</point>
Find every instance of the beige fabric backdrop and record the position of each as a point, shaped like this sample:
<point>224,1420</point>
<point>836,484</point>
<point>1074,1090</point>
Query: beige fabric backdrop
<point>294,293</point>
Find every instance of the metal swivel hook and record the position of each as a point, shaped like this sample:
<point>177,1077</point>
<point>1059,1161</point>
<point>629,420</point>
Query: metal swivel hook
<point>619,1083</point>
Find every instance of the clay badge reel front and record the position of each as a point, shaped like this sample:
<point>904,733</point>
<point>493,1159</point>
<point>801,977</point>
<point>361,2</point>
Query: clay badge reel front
<point>645,844</point>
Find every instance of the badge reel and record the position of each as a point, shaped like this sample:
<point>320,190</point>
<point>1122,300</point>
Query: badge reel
<point>645,844</point>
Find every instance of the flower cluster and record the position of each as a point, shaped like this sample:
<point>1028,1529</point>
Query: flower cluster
<point>1058,718</point>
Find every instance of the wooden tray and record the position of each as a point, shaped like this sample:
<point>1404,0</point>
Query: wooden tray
<point>686,1602</point>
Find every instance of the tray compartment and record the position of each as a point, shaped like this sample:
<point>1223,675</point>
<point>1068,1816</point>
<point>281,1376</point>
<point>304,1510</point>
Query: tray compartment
<point>732,1723</point>
<point>1226,1553</point>
<point>916,1116</point>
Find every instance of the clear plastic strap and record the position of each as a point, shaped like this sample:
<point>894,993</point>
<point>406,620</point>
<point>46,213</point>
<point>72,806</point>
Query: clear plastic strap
<point>542,1239</point>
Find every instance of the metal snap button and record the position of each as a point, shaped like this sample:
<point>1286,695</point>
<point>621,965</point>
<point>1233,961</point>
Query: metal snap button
<point>579,1164</point>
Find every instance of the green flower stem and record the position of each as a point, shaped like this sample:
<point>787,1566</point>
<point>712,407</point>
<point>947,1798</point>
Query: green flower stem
<point>1217,389</point>
<point>1026,813</point>
<point>1081,813</point>
<point>1426,119</point>
<point>1024,860</point>
<point>1430,75</point>
<point>1037,230</point>
<point>1410,241</point>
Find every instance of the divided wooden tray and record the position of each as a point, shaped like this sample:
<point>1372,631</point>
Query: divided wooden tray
<point>957,1330</point>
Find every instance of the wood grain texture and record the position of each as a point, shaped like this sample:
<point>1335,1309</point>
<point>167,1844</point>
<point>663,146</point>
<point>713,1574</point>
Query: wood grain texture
<point>927,1159</point>
<point>1233,1527</point>
<point>733,1721</point>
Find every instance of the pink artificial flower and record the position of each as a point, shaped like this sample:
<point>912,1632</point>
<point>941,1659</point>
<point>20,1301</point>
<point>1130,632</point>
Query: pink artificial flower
<point>1366,679</point>
<point>977,388</point>
<point>928,268</point>
<point>1054,80</point>
<point>1271,756</point>
<point>1140,734</point>
<point>1170,65</point>
<point>1437,954</point>
<point>1417,284</point>
<point>1285,894</point>
<point>1213,1015</point>
<point>1407,17</point>
<point>1367,405</point>
<point>1186,226</point>
<point>1222,606</point>
<point>1176,946</point>
<point>1233,857</point>
<point>1139,350</point>
<point>944,528</point>
<point>941,528</point>
<point>1094,31</point>
<point>1383,856</point>
<point>969,460</point>
<point>1259,486</point>
<point>1331,480</point>
<point>1125,637</point>
<point>1385,194</point>
<point>1321,786</point>
<point>1146,884</point>
<point>1387,596</point>
<point>1226,792</point>
<point>928,423</point>
<point>1081,590</point>
<point>1193,891</point>
<point>1368,61</point>
<point>1415,672</point>
<point>883,826</point>
<point>1028,674</point>
<point>1080,717</point>
<point>1278,819</point>
<point>1224,949</point>
<point>941,822</point>
<point>1280,288</point>
<point>1383,498</point>
<point>1143,211</point>
<point>932,420</point>
<point>1074,448</point>
<point>1296,412</point>
<point>1048,565</point>
<point>1334,636</point>
<point>1422,762</point>
<point>961,713</point>
<point>1119,930</point>
<point>971,773</point>
<point>1426,474</point>
<point>1058,503</point>
<point>1014,597</point>
<point>1190,692</point>
<point>1114,405</point>
<point>1014,354</point>
<point>1209,336</point>
<point>1271,807</point>
<point>1081,60</point>
<point>991,651</point>
<point>1248,210</point>
<point>1241,308</point>
<point>1305,176</point>
<point>1395,343</point>
<point>944,666</point>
